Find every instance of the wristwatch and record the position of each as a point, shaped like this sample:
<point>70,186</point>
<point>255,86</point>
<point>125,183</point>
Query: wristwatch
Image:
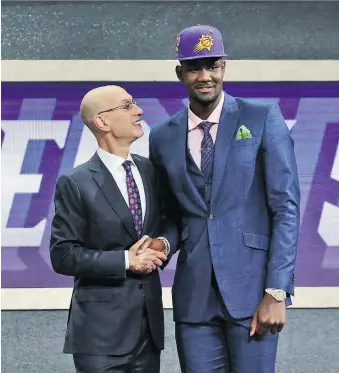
<point>167,246</point>
<point>277,294</point>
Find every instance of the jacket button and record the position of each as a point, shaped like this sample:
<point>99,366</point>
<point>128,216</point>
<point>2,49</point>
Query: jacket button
<point>211,217</point>
<point>141,286</point>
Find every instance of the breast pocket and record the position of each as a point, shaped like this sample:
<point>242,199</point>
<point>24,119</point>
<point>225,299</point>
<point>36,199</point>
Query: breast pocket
<point>243,152</point>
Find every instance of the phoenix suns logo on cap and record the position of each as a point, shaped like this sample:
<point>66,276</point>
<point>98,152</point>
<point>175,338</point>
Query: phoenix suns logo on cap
<point>205,42</point>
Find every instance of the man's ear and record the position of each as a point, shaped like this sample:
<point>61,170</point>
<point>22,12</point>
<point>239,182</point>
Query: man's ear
<point>178,70</point>
<point>223,67</point>
<point>99,124</point>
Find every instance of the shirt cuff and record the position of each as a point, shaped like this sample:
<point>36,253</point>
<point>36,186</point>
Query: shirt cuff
<point>126,260</point>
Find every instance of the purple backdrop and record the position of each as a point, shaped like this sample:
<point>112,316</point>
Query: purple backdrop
<point>43,137</point>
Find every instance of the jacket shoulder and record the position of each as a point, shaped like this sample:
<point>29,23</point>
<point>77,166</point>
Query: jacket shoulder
<point>246,104</point>
<point>159,129</point>
<point>141,158</point>
<point>76,174</point>
<point>144,160</point>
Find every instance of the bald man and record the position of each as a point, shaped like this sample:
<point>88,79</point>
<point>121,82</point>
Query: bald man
<point>108,232</point>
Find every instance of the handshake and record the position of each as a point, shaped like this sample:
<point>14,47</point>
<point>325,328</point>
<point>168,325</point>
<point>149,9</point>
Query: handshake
<point>146,255</point>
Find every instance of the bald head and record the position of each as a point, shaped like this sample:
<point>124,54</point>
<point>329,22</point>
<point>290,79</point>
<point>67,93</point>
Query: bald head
<point>98,99</point>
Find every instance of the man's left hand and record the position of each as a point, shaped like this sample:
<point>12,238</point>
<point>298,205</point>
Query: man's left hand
<point>154,244</point>
<point>270,317</point>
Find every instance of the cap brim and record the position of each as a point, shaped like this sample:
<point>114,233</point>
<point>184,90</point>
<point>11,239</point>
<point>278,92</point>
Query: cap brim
<point>202,57</point>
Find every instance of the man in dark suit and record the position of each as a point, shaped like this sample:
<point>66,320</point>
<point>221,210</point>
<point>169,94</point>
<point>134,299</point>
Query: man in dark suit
<point>233,191</point>
<point>105,210</point>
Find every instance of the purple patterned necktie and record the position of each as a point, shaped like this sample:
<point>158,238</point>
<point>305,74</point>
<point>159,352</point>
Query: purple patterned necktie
<point>133,198</point>
<point>207,150</point>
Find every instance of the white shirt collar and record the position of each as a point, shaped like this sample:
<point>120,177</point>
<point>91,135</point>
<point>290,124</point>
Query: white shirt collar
<point>112,161</point>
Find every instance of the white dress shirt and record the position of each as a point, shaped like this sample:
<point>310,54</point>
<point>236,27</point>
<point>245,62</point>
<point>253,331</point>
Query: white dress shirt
<point>115,167</point>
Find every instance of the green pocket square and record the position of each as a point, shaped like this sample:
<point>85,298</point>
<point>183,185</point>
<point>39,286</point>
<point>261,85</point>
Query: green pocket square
<point>243,133</point>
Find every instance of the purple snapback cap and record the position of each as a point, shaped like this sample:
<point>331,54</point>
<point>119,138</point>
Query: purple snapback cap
<point>201,41</point>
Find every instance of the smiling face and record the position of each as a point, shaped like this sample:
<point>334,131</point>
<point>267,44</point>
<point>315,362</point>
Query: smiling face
<point>203,79</point>
<point>119,115</point>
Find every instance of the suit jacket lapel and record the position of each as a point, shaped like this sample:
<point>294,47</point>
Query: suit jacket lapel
<point>110,190</point>
<point>178,139</point>
<point>147,183</point>
<point>226,131</point>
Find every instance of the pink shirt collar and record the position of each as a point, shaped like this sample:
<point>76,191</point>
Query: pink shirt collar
<point>194,121</point>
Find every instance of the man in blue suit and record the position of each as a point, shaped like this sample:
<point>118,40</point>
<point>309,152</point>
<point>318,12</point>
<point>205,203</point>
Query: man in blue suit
<point>229,177</point>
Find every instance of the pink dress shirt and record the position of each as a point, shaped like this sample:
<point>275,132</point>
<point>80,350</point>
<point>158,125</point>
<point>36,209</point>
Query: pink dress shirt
<point>195,134</point>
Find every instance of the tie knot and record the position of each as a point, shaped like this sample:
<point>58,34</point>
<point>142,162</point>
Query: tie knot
<point>206,126</point>
<point>127,166</point>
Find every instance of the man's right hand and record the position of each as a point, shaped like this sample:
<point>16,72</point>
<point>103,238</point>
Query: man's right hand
<point>145,262</point>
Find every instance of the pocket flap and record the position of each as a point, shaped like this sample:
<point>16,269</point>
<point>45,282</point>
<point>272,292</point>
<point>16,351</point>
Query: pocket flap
<point>94,295</point>
<point>256,241</point>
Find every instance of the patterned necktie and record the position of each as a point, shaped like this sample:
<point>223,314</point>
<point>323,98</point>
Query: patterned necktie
<point>133,198</point>
<point>207,150</point>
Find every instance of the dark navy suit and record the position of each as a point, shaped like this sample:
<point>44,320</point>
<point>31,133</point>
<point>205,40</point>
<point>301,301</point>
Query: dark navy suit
<point>238,235</point>
<point>116,317</point>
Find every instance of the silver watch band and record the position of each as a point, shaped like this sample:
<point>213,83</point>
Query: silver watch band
<point>278,294</point>
<point>166,243</point>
